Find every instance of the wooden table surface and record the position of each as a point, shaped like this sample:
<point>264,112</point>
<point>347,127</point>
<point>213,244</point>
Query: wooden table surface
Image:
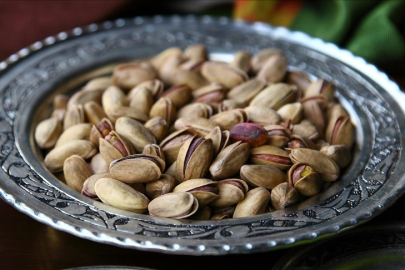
<point>28,244</point>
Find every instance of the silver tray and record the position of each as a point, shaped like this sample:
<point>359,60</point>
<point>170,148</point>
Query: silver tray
<point>62,63</point>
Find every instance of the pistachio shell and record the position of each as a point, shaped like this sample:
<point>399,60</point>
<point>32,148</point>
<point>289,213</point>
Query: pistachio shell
<point>245,92</point>
<point>270,155</point>
<point>163,108</point>
<point>204,190</point>
<point>275,96</point>
<point>163,185</point>
<point>89,185</point>
<point>99,165</point>
<point>141,100</point>
<point>340,130</point>
<point>292,111</point>
<point>101,130</point>
<point>304,179</point>
<point>230,191</point>
<point>74,115</point>
<point>100,83</point>
<point>171,144</point>
<point>127,76</point>
<point>159,59</point>
<point>60,102</point>
<point>339,153</point>
<point>321,87</point>
<point>262,115</point>
<point>283,196</point>
<point>130,112</point>
<point>262,176</point>
<point>197,109</point>
<point>241,60</point>
<point>179,95</point>
<point>153,149</point>
<point>202,126</point>
<point>82,97</point>
<point>299,79</point>
<point>76,171</point>
<point>155,87</point>
<point>274,69</point>
<point>113,147</point>
<point>223,74</point>
<point>254,203</point>
<point>228,119</point>
<point>158,127</point>
<point>261,57</point>
<point>193,79</point>
<point>196,51</point>
<point>278,135</point>
<point>113,97</point>
<point>203,213</point>
<point>47,132</point>
<point>174,205</point>
<point>77,132</point>
<point>220,139</point>
<point>94,112</point>
<point>120,195</point>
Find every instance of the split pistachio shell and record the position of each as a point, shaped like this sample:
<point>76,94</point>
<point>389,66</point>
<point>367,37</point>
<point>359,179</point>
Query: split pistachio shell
<point>314,113</point>
<point>241,60</point>
<point>229,104</point>
<point>230,191</point>
<point>274,69</point>
<point>155,87</point>
<point>298,141</point>
<point>158,127</point>
<point>74,115</point>
<point>197,109</point>
<point>76,171</point>
<point>254,203</point>
<point>120,195</point>
<point>137,168</point>
<point>270,155</point>
<point>58,114</point>
<point>275,96</point>
<point>192,65</point>
<point>321,87</point>
<point>262,176</point>
<point>292,111</point>
<point>90,183</point>
<point>94,112</point>
<point>100,83</point>
<point>340,130</point>
<point>306,129</point>
<point>169,68</point>
<point>304,179</point>
<point>284,195</point>
<point>99,165</point>
<point>101,130</point>
<point>47,132</point>
<point>339,153</point>
<point>163,185</point>
<point>163,108</point>
<point>196,51</point>
<point>278,135</point>
<point>224,74</point>
<point>245,92</point>
<point>299,79</point>
<point>230,160</point>
<point>60,102</point>
<point>172,170</point>
<point>194,159</point>
<point>202,126</point>
<point>321,163</point>
<point>179,95</point>
<point>228,119</point>
<point>262,115</point>
<point>261,57</point>
<point>56,157</point>
<point>174,205</point>
<point>220,139</point>
<point>134,132</point>
<point>204,190</point>
<point>213,93</point>
<point>153,149</point>
<point>141,99</point>
<point>127,76</point>
<point>113,147</point>
<point>171,144</point>
<point>77,132</point>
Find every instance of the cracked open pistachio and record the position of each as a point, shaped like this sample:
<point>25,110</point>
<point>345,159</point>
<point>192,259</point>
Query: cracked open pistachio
<point>99,165</point>
<point>153,149</point>
<point>254,203</point>
<point>141,99</point>
<point>158,127</point>
<point>306,129</point>
<point>213,94</point>
<point>100,83</point>
<point>220,139</point>
<point>339,153</point>
<point>293,111</point>
<point>229,104</point>
<point>193,79</point>
<point>202,126</point>
<point>261,57</point>
<point>163,108</point>
<point>101,130</point>
<point>274,69</point>
<point>340,129</point>
<point>278,135</point>
<point>270,155</point>
<point>204,190</point>
<point>172,144</point>
<point>321,87</point>
<point>120,195</point>
<point>82,97</point>
<point>262,115</point>
<point>48,132</point>
<point>300,80</point>
<point>298,141</point>
<point>262,176</point>
<point>159,59</point>
<point>197,109</point>
<point>60,102</point>
<point>163,185</point>
<point>74,115</point>
<point>230,191</point>
<point>304,179</point>
<point>174,205</point>
<point>196,51</point>
<point>155,87</point>
<point>113,97</point>
<point>90,183</point>
<point>284,195</point>
<point>113,147</point>
<point>179,95</point>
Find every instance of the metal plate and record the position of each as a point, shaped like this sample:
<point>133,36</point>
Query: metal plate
<point>30,79</point>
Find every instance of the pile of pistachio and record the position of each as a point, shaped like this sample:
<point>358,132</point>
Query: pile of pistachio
<point>181,136</point>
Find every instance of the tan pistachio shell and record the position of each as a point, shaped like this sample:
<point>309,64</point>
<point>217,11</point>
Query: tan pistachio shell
<point>301,80</point>
<point>76,171</point>
<point>314,113</point>
<point>220,139</point>
<point>163,108</point>
<point>196,51</point>
<point>197,109</point>
<point>229,104</point>
<point>137,168</point>
<point>120,195</point>
<point>134,132</point>
<point>168,68</point>
<point>113,147</point>
<point>60,102</point>
<point>163,185</point>
<point>304,179</point>
<point>230,191</point>
<point>99,165</point>
<point>172,170</point>
<point>321,87</point>
<point>174,205</point>
<point>278,135</point>
<point>126,76</point>
<point>254,203</point>
<point>270,155</point>
<point>94,112</point>
<point>293,111</point>
<point>213,93</point>
<point>305,129</point>
<point>204,190</point>
<point>159,59</point>
<point>100,83</point>
<point>56,157</point>
<point>77,132</point>
<point>202,126</point>
<point>153,149</point>
<point>158,127</point>
<point>339,153</point>
<point>155,87</point>
<point>224,74</point>
<point>74,115</point>
<point>340,130</point>
<point>284,195</point>
<point>193,79</point>
<point>179,95</point>
<point>101,130</point>
<point>113,97</point>
<point>275,96</point>
<point>82,97</point>
<point>298,141</point>
<point>90,183</point>
<point>226,120</point>
<point>141,99</point>
<point>47,132</point>
<point>261,57</point>
<point>245,92</point>
<point>171,144</point>
<point>274,69</point>
<point>262,115</point>
<point>130,112</point>
<point>241,60</point>
<point>321,163</point>
<point>229,161</point>
<point>262,176</point>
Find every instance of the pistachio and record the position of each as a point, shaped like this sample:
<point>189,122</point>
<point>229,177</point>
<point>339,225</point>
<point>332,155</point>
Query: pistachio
<point>173,205</point>
<point>77,132</point>
<point>76,171</point>
<point>127,76</point>
<point>314,113</point>
<point>283,196</point>
<point>192,65</point>
<point>47,132</point>
<point>270,155</point>
<point>179,95</point>
<point>58,114</point>
<point>298,141</point>
<point>245,92</point>
<point>159,59</point>
<point>96,84</point>
<point>228,119</point>
<point>172,170</point>
<point>275,96</point>
<point>224,212</point>
<point>339,153</point>
<point>130,112</point>
<point>171,144</point>
<point>230,191</point>
<point>169,68</point>
<point>300,80</point>
<point>201,125</point>
<point>120,195</point>
<point>241,60</point>
<point>94,112</point>
<point>89,185</point>
<point>321,163</point>
<point>321,87</point>
<point>134,132</point>
<point>82,97</point>
<point>261,57</point>
<point>223,74</point>
<point>254,203</point>
<point>229,104</point>
<point>292,111</point>
<point>340,129</point>
<point>253,134</point>
<point>274,69</point>
<point>137,168</point>
<point>262,115</point>
<point>113,147</point>
<point>213,93</point>
<point>56,157</point>
<point>155,87</point>
<point>230,160</point>
<point>196,51</point>
<point>194,159</point>
<point>74,115</point>
<point>204,190</point>
<point>163,185</point>
<point>158,127</point>
<point>99,165</point>
<point>278,135</point>
<point>304,179</point>
<point>141,99</point>
<point>262,176</point>
<point>306,129</point>
<point>112,98</point>
<point>60,102</point>
<point>163,108</point>
<point>193,79</point>
<point>220,139</point>
<point>197,109</point>
<point>101,130</point>
<point>153,149</point>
